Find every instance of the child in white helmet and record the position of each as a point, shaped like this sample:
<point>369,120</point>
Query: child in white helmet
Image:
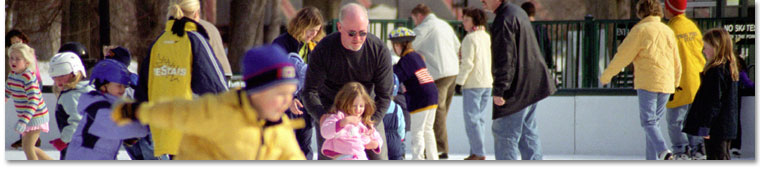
<point>69,75</point>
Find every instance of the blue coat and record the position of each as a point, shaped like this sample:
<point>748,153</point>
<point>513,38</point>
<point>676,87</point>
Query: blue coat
<point>98,137</point>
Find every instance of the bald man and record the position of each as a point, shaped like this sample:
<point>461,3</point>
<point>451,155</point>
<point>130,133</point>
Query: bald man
<point>350,55</point>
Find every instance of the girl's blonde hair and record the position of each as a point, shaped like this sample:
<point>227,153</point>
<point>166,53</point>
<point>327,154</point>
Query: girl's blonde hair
<point>306,18</point>
<point>71,84</point>
<point>27,53</point>
<point>183,8</point>
<point>723,45</point>
<point>344,101</point>
<point>648,8</point>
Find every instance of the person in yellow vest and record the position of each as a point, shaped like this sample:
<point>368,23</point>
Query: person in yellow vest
<point>651,47</point>
<point>246,124</point>
<point>689,39</point>
<point>181,65</point>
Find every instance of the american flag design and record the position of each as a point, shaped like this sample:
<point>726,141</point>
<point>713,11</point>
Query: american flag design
<point>423,76</point>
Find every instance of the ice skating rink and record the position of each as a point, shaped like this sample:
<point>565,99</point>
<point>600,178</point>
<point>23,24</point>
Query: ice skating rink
<point>570,127</point>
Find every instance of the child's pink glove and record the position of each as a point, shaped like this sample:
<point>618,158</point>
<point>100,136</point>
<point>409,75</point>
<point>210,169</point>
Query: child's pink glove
<point>59,144</point>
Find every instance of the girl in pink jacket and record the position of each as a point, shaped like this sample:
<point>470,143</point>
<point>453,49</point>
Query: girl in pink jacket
<point>348,130</point>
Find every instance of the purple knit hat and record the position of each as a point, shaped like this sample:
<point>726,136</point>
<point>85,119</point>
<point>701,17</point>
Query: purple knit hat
<point>266,66</point>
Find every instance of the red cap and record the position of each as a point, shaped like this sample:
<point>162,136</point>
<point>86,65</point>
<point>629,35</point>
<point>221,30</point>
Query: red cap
<point>676,7</point>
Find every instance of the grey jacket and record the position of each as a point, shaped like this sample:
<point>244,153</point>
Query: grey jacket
<point>520,73</point>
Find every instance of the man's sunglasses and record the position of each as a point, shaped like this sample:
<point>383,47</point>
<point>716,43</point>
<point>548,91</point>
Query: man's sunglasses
<point>353,33</point>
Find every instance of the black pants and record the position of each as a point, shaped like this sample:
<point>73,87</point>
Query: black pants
<point>718,149</point>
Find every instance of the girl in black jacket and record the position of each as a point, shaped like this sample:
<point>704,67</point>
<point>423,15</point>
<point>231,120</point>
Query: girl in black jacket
<point>714,114</point>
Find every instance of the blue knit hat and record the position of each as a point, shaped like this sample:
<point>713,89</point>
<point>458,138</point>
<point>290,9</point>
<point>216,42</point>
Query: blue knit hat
<point>266,66</point>
<point>120,54</point>
<point>112,71</point>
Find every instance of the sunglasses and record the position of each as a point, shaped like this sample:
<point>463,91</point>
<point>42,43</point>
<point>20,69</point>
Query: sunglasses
<point>353,33</point>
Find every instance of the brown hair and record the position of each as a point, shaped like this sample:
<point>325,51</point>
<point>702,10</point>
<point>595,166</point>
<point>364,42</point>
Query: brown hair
<point>529,8</point>
<point>721,41</point>
<point>306,18</point>
<point>344,101</point>
<point>478,16</point>
<point>421,9</point>
<point>647,8</point>
<point>15,33</point>
<point>406,47</point>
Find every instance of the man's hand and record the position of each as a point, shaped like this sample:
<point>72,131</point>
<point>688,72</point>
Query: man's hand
<point>294,107</point>
<point>498,100</point>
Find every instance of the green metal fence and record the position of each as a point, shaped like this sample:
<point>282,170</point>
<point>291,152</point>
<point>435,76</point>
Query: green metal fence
<point>582,49</point>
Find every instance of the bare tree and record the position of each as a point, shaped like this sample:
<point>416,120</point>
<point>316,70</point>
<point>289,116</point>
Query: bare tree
<point>151,19</point>
<point>252,23</point>
<point>80,23</point>
<point>329,8</point>
<point>38,19</point>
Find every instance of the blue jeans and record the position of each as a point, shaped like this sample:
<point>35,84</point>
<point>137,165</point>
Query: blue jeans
<point>678,139</point>
<point>142,150</point>
<point>651,110</point>
<point>517,135</point>
<point>475,101</point>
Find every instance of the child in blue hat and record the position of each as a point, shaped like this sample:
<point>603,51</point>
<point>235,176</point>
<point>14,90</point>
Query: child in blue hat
<point>245,124</point>
<point>97,136</point>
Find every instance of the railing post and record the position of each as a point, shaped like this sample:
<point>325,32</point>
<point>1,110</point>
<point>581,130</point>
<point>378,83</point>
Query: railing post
<point>590,53</point>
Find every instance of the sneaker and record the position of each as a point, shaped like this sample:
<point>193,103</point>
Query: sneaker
<point>443,156</point>
<point>736,153</point>
<point>665,155</point>
<point>475,157</point>
<point>682,156</point>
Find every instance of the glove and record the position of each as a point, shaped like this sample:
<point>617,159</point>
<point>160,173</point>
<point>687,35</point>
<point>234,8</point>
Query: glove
<point>124,113</point>
<point>59,144</point>
<point>20,127</point>
<point>130,142</point>
<point>458,89</point>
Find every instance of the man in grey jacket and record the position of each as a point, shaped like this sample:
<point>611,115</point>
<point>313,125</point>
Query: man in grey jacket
<point>521,79</point>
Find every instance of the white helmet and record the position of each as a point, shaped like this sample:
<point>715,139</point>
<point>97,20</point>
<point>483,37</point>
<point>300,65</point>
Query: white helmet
<point>66,63</point>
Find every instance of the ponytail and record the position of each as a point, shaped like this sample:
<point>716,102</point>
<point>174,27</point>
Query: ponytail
<point>176,11</point>
<point>183,8</point>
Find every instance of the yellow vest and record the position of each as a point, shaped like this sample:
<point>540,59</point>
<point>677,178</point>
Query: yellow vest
<point>692,61</point>
<point>170,68</point>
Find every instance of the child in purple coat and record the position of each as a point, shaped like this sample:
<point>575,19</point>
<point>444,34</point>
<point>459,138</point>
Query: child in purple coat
<point>98,137</point>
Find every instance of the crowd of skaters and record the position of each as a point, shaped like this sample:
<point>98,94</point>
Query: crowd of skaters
<point>345,87</point>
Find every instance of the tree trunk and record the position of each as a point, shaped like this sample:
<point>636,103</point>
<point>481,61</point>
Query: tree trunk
<point>151,19</point>
<point>246,28</point>
<point>40,20</point>
<point>329,8</point>
<point>80,23</point>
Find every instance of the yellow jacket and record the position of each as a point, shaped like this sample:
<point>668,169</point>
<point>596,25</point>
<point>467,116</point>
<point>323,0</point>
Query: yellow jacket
<point>692,61</point>
<point>224,127</point>
<point>652,48</point>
